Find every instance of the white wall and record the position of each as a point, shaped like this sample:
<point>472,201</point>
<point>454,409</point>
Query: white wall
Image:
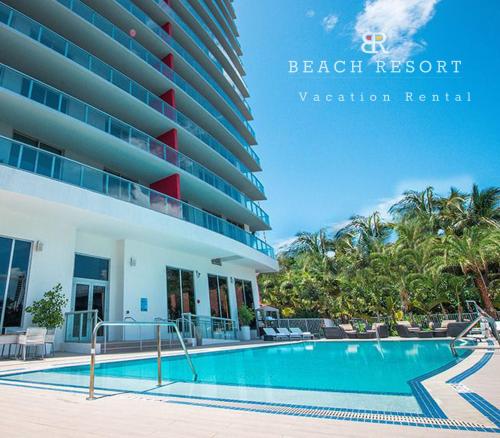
<point>147,279</point>
<point>52,265</point>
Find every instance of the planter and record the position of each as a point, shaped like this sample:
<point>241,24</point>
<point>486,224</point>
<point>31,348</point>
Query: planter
<point>245,333</point>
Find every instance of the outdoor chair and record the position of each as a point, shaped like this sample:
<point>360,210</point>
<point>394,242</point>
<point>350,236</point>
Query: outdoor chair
<point>304,335</point>
<point>271,335</point>
<point>286,332</point>
<point>381,329</point>
<point>333,333</point>
<point>34,337</point>
<point>441,331</point>
<point>405,330</point>
<point>454,328</point>
<point>50,340</point>
<point>349,331</point>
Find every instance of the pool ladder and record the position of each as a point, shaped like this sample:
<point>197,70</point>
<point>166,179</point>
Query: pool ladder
<point>482,317</point>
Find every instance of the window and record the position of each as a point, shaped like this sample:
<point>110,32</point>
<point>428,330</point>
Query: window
<point>14,267</point>
<point>219,296</point>
<point>93,268</point>
<point>38,144</point>
<point>180,293</point>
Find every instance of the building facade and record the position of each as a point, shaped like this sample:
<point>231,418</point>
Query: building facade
<point>127,166</point>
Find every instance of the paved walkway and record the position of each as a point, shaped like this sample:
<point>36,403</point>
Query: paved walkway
<point>29,412</point>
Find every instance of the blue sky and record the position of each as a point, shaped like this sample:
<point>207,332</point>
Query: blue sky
<point>324,162</point>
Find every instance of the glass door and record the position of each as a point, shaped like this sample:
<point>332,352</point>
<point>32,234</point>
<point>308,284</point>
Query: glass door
<point>88,295</point>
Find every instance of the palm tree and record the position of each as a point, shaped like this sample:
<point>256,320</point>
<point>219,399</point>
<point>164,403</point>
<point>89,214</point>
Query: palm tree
<point>365,231</point>
<point>473,251</point>
<point>415,204</point>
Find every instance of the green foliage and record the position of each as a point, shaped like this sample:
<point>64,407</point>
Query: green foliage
<point>48,312</point>
<point>246,315</point>
<point>435,253</point>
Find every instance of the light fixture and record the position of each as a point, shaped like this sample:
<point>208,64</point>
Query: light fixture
<point>197,274</point>
<point>132,261</point>
<point>39,246</point>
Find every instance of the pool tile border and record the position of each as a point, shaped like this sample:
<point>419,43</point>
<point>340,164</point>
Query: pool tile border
<point>433,416</point>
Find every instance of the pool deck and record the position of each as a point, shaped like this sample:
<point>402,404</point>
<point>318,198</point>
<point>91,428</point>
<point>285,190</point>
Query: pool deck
<point>467,392</point>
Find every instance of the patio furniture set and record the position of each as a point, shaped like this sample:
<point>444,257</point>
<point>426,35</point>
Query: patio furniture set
<point>343,331</point>
<point>285,334</point>
<point>448,328</point>
<point>16,342</point>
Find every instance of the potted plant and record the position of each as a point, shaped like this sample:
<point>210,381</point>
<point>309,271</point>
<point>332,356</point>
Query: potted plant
<point>246,317</point>
<point>48,312</point>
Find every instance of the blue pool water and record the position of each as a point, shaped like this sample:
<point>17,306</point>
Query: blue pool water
<point>361,367</point>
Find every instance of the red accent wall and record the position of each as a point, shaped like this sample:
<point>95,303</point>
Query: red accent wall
<point>169,60</point>
<point>167,27</point>
<point>171,186</point>
<point>169,97</point>
<point>170,138</point>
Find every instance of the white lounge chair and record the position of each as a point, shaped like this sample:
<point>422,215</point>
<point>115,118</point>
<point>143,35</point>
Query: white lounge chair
<point>34,337</point>
<point>286,332</point>
<point>270,332</point>
<point>304,335</point>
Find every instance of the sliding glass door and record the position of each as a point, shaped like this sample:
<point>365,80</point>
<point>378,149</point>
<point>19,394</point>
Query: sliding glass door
<point>180,293</point>
<point>14,268</point>
<point>219,296</point>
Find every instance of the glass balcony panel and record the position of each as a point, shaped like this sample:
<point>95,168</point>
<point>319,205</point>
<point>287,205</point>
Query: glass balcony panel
<point>38,93</point>
<point>71,172</point>
<point>73,108</point>
<point>119,130</point>
<point>28,159</point>
<point>54,41</point>
<point>101,69</point>
<point>44,164</point>
<point>25,26</point>
<point>56,173</point>
<point>9,154</point>
<point>139,140</point>
<point>157,148</point>
<point>78,55</point>
<point>92,179</point>
<point>4,14</point>
<point>121,81</point>
<point>97,119</point>
<point>52,100</point>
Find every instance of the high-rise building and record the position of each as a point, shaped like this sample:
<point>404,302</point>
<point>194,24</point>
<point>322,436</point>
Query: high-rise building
<point>127,166</point>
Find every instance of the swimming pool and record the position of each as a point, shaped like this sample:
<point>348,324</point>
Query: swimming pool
<point>363,374</point>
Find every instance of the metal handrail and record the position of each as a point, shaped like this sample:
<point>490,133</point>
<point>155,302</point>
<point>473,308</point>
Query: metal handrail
<point>129,318</point>
<point>158,325</point>
<point>483,316</point>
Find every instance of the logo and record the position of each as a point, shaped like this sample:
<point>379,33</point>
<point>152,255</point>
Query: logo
<point>374,43</point>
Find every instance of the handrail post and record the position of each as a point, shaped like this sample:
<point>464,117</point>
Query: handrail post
<point>92,362</point>
<point>158,334</point>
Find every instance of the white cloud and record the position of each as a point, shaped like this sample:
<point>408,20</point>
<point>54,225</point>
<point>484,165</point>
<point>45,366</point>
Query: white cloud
<point>400,20</point>
<point>310,13</point>
<point>329,22</point>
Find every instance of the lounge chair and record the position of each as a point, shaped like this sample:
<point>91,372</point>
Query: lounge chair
<point>441,331</point>
<point>454,328</point>
<point>304,335</point>
<point>405,330</point>
<point>286,332</point>
<point>381,328</point>
<point>34,337</point>
<point>334,333</point>
<point>271,335</point>
<point>349,331</point>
